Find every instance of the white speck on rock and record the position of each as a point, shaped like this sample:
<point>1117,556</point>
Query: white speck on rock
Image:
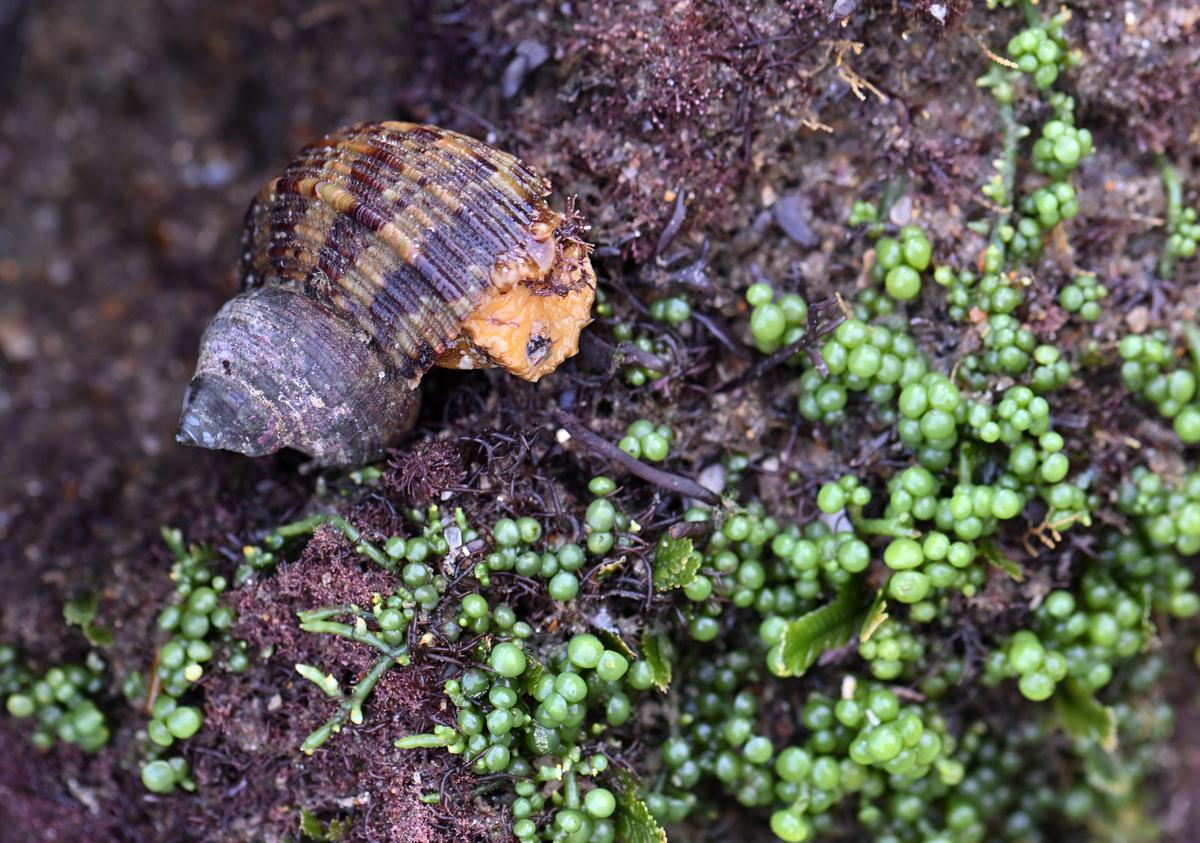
<point>713,478</point>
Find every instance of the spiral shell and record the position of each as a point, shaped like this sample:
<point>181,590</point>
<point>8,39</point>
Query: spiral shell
<point>382,250</point>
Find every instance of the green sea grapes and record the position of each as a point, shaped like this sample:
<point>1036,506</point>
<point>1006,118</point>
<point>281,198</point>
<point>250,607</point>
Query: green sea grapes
<point>776,320</point>
<point>1041,51</point>
<point>644,440</point>
<point>860,358</point>
<point>900,261</point>
<point>1148,369</point>
<point>1083,296</point>
<point>59,704</point>
<point>528,720</point>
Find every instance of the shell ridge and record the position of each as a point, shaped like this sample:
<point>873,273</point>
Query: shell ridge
<point>497,186</point>
<point>377,250</point>
<point>476,192</point>
<point>445,264</point>
<point>330,182</point>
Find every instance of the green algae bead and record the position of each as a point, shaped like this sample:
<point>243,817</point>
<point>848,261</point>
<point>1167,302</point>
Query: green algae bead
<point>158,777</point>
<point>507,659</point>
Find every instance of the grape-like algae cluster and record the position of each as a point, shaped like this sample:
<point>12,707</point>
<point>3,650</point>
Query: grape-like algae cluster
<point>939,611</point>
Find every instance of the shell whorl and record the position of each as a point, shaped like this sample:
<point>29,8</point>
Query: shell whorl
<point>398,227</point>
<point>381,250</point>
<point>272,376</point>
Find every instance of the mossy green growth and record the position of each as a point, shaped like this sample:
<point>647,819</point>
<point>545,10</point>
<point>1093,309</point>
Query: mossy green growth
<point>646,349</point>
<point>1151,370</point>
<point>530,718</point>
<point>60,704</point>
<point>883,641</point>
<point>1183,230</point>
<point>198,622</point>
<point>776,319</point>
<point>645,440</point>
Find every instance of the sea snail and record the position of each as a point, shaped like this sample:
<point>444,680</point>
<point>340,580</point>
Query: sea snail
<point>382,250</point>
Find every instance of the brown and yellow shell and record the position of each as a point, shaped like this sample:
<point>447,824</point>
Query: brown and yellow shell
<point>384,249</point>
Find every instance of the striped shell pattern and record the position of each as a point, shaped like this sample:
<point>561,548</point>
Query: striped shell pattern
<point>382,250</point>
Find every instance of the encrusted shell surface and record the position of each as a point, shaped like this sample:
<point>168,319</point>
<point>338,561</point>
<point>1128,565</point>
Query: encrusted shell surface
<point>413,246</point>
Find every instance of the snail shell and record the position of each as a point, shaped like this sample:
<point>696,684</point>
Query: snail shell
<point>382,250</point>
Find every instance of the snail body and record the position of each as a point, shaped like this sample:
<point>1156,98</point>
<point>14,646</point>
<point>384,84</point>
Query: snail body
<point>382,250</point>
